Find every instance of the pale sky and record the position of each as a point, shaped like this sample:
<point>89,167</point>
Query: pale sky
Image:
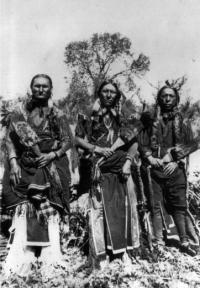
<point>34,33</point>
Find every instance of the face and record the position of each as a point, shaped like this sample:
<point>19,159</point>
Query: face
<point>41,88</point>
<point>168,99</point>
<point>108,95</point>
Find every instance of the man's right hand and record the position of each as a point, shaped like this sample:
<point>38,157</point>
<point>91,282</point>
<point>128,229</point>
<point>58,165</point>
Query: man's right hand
<point>155,162</point>
<point>15,172</point>
<point>105,152</point>
<point>170,168</point>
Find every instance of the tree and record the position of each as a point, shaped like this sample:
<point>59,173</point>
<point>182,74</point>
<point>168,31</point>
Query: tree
<point>78,99</point>
<point>105,56</point>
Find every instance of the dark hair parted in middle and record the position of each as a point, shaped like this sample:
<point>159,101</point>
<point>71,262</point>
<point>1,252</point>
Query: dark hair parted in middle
<point>42,76</point>
<point>106,82</point>
<point>167,87</point>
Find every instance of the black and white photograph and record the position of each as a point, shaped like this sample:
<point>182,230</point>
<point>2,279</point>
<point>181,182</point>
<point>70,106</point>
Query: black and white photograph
<point>100,143</point>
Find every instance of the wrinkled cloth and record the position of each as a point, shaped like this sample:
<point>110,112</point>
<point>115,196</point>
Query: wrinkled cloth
<point>38,184</point>
<point>117,200</point>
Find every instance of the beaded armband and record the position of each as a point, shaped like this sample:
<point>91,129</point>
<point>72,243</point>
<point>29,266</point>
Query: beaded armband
<point>13,157</point>
<point>129,157</point>
<point>56,155</point>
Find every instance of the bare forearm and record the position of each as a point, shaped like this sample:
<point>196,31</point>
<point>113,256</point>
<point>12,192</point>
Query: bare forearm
<point>62,150</point>
<point>10,148</point>
<point>79,142</point>
<point>133,149</point>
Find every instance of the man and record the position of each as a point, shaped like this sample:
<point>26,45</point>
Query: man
<point>36,179</point>
<point>113,214</point>
<point>167,178</point>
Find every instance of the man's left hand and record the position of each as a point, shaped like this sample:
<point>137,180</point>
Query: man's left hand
<point>45,159</point>
<point>179,151</point>
<point>170,168</point>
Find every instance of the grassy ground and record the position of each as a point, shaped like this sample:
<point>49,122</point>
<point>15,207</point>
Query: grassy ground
<point>170,269</point>
<point>173,270</point>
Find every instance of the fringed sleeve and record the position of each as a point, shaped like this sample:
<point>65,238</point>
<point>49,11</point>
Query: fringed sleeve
<point>178,129</point>
<point>187,144</point>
